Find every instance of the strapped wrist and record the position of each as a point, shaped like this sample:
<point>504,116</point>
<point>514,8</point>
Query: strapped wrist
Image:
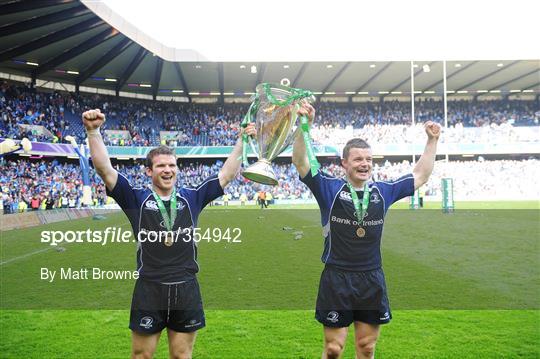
<point>93,132</point>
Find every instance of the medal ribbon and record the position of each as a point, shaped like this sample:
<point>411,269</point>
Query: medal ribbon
<point>169,220</point>
<point>360,208</point>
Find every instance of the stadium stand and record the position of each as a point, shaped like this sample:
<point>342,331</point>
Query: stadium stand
<point>49,117</point>
<point>54,184</point>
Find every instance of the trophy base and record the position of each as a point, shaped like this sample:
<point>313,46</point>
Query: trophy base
<point>261,172</point>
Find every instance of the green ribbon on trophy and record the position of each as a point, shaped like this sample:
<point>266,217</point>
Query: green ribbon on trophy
<point>168,220</point>
<point>360,208</point>
<point>274,109</point>
<point>313,163</point>
<point>248,118</point>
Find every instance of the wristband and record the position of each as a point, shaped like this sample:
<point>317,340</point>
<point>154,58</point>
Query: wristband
<point>94,132</point>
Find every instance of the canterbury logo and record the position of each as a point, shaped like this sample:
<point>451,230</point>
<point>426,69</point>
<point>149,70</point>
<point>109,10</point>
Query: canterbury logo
<point>180,205</point>
<point>153,205</point>
<point>345,196</point>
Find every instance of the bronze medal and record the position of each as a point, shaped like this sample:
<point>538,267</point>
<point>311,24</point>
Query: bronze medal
<point>360,232</point>
<point>169,239</point>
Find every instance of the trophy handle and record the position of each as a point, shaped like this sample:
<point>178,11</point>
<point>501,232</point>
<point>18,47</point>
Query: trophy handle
<point>245,138</point>
<point>253,146</point>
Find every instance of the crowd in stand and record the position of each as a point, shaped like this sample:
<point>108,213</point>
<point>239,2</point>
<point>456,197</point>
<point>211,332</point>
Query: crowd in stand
<point>39,185</point>
<point>406,134</point>
<point>467,113</point>
<point>211,125</point>
<point>50,116</point>
<point>20,106</point>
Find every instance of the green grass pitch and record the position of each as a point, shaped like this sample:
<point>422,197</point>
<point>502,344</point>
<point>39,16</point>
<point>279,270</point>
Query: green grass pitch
<point>460,285</point>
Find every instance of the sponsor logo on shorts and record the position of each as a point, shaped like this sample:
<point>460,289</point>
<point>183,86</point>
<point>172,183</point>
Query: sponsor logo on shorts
<point>146,322</point>
<point>332,316</point>
<point>192,323</point>
<point>385,316</point>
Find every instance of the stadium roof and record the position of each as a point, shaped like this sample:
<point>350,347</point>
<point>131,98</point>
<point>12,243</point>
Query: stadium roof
<point>64,41</point>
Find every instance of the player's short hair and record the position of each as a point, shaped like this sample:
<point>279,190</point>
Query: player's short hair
<point>354,143</point>
<point>161,150</point>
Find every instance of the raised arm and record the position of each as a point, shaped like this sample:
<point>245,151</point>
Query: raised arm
<point>424,166</point>
<point>232,164</point>
<point>92,121</point>
<point>299,155</point>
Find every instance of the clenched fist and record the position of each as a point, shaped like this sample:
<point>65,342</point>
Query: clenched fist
<point>433,130</point>
<point>93,119</point>
<point>249,130</point>
<point>307,110</point>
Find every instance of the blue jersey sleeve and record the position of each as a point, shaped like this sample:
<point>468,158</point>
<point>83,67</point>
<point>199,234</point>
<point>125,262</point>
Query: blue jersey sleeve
<point>324,188</point>
<point>123,193</point>
<point>395,190</point>
<point>199,197</point>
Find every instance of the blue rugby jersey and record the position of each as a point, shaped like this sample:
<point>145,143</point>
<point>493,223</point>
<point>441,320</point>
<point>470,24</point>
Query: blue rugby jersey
<point>155,260</point>
<point>343,248</point>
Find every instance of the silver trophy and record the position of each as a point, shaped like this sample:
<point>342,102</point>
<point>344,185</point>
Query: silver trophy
<point>274,111</point>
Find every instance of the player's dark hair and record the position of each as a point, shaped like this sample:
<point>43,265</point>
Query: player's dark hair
<point>161,150</point>
<point>354,143</point>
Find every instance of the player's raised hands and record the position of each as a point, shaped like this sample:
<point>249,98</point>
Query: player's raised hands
<point>307,110</point>
<point>433,130</point>
<point>249,130</point>
<point>93,119</point>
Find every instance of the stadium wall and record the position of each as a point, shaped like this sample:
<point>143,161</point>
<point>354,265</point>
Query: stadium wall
<point>36,218</point>
<point>126,152</point>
